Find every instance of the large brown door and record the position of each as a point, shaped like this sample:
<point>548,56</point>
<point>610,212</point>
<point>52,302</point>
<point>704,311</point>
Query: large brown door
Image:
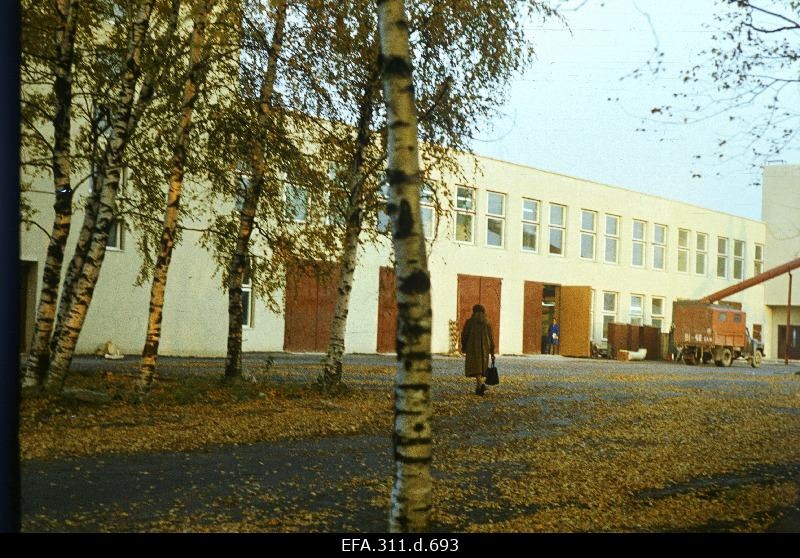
<point>473,289</point>
<point>575,326</point>
<point>387,310</point>
<point>309,307</point>
<point>27,304</point>
<point>532,318</point>
<point>794,341</point>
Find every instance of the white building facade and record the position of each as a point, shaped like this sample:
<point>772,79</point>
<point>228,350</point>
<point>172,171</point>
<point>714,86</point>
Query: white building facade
<point>528,244</point>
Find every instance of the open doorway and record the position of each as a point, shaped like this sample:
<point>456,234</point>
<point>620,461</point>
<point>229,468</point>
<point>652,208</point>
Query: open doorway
<point>550,310</point>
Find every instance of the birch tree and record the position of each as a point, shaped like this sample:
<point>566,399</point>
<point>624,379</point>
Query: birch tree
<point>130,104</point>
<point>66,14</point>
<point>465,52</point>
<point>411,494</point>
<point>251,197</point>
<point>194,81</point>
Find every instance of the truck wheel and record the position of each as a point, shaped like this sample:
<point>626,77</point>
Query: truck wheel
<point>755,362</point>
<point>727,357</point>
<point>707,358</point>
<point>689,356</point>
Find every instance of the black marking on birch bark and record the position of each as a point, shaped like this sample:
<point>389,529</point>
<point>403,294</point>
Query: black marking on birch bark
<point>405,222</point>
<point>411,442</point>
<point>397,177</point>
<point>411,460</point>
<point>418,387</point>
<point>63,203</point>
<point>418,282</point>
<point>395,66</point>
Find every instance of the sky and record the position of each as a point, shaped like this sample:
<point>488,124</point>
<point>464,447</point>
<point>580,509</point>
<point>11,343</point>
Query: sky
<point>577,110</point>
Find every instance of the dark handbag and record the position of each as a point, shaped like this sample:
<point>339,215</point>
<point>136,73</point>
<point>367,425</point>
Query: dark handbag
<point>492,378</point>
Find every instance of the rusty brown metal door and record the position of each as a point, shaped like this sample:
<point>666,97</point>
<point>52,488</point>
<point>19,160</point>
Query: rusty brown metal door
<point>575,326</point>
<point>310,301</point>
<point>387,310</point>
<point>532,318</point>
<point>474,289</point>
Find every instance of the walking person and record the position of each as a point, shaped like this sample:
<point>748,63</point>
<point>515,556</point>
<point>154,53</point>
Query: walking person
<point>477,342</point>
<point>552,337</point>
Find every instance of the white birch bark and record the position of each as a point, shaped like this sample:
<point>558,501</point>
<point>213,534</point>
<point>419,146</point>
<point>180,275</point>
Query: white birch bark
<point>411,499</point>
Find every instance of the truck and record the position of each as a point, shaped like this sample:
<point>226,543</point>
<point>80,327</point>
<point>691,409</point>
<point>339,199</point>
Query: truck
<point>705,332</point>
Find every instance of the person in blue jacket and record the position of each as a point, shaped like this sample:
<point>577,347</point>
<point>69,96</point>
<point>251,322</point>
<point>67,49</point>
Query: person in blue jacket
<point>552,337</point>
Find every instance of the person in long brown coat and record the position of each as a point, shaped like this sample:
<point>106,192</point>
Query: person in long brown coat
<point>477,342</point>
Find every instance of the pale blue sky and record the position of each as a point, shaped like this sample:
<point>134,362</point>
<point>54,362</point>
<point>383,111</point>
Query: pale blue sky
<point>559,116</point>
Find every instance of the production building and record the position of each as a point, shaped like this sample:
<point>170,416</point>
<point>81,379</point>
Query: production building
<point>528,244</point>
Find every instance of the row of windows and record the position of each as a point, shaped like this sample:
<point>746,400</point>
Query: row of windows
<point>648,240</point>
<point>725,256</point>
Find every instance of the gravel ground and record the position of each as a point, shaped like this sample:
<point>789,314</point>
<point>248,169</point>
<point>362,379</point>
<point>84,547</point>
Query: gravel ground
<point>147,491</point>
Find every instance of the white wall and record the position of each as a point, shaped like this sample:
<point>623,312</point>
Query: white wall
<point>195,314</point>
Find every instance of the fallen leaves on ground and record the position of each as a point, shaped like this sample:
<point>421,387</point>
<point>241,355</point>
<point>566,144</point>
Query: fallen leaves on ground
<point>601,451</point>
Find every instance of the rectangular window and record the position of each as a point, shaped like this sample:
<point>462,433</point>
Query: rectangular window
<point>701,256</point>
<point>612,240</point>
<point>530,225</point>
<point>588,227</point>
<point>116,235</point>
<point>427,211</point>
<point>637,249</point>
<point>636,311</point>
<point>247,298</point>
<point>657,312</point>
<point>609,311</point>
<point>296,199</point>
<point>384,222</point>
<point>738,259</point>
<point>722,257</point>
<point>495,218</point>
<point>557,228</point>
<point>465,214</point>
<point>659,246</point>
<point>758,260</point>
<point>683,250</point>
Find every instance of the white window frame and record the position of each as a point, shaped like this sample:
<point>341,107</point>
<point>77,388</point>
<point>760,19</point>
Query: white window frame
<point>684,250</point>
<point>291,210</point>
<point>638,242</point>
<point>496,218</point>
<point>427,211</point>
<point>612,237</point>
<point>556,227</point>
<point>607,313</point>
<point>758,259</point>
<point>659,247</point>
<point>118,245</point>
<point>636,318</point>
<point>248,308</point>
<point>589,233</point>
<point>466,212</point>
<point>701,255</point>
<point>723,253</point>
<point>531,224</point>
<point>738,260</point>
<point>657,316</point>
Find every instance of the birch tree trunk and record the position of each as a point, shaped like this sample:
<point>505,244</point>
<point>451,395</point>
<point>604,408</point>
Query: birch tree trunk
<point>233,357</point>
<point>179,153</point>
<point>124,122</point>
<point>39,354</point>
<point>332,369</point>
<point>411,493</point>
